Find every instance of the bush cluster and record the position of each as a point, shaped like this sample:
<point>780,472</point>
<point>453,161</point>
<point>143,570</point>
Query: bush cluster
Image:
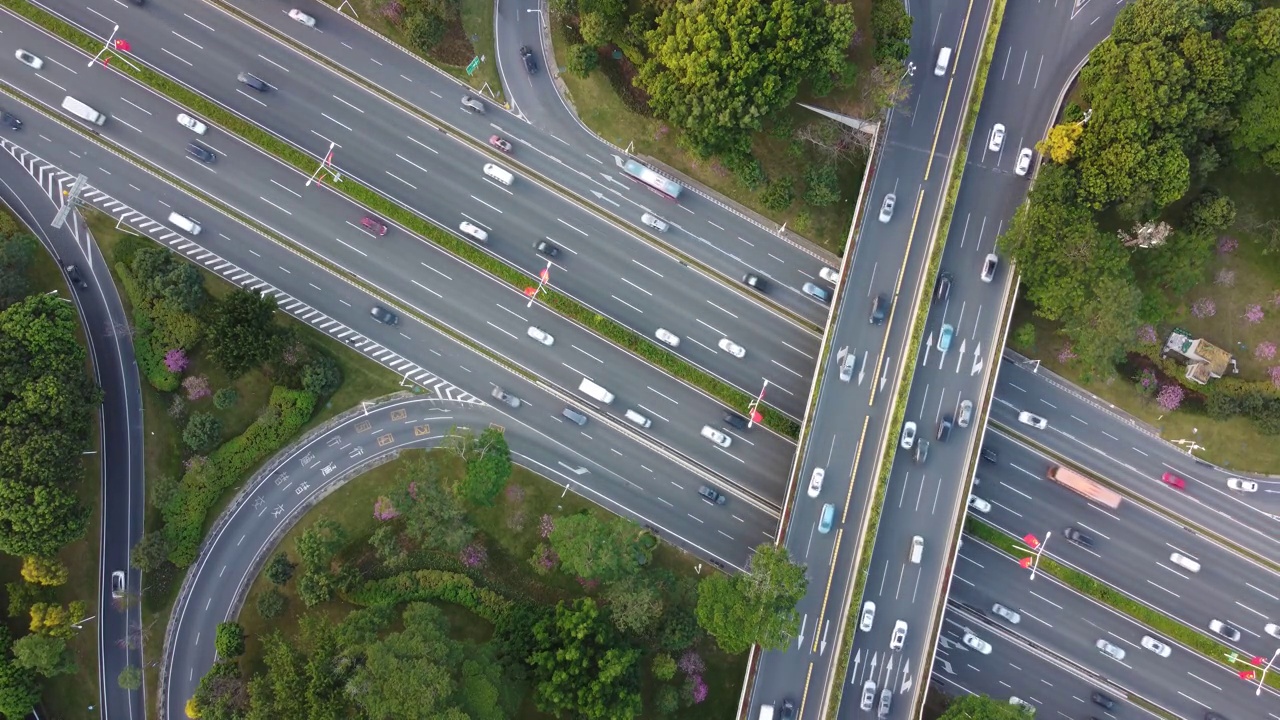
<point>184,514</point>
<point>434,585</point>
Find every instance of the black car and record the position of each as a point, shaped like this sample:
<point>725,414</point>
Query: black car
<point>73,275</point>
<point>922,450</point>
<point>1102,700</point>
<point>252,81</point>
<point>1211,715</point>
<point>990,455</point>
<point>942,290</point>
<point>944,428</point>
<point>11,121</point>
<point>383,315</point>
<point>711,496</point>
<point>546,248</point>
<point>879,307</point>
<point>1077,537</point>
<point>787,711</point>
<point>530,62</point>
<point>200,152</point>
<point>735,420</point>
<point>755,281</point>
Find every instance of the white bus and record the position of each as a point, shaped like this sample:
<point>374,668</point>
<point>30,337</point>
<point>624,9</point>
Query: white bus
<point>82,111</point>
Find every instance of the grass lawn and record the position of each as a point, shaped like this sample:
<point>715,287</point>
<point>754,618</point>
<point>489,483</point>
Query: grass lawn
<point>511,532</point>
<point>471,37</point>
<point>164,450</point>
<point>68,695</point>
<point>601,109</point>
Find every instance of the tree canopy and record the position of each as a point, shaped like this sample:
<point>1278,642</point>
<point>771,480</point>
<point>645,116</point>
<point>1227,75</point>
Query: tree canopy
<point>242,334</point>
<point>580,667</point>
<point>984,707</point>
<point>591,547</point>
<point>488,468</point>
<point>758,606</point>
<point>717,68</point>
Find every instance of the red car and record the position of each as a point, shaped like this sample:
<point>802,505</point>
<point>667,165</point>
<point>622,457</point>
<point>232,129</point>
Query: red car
<point>374,225</point>
<point>1174,481</point>
<point>499,143</point>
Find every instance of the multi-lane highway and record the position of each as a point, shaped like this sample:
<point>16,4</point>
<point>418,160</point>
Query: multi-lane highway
<point>1114,446</point>
<point>417,274</point>
<point>35,200</point>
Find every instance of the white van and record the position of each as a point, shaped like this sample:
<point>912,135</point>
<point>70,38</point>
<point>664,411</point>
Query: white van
<point>82,111</point>
<point>944,59</point>
<point>766,712</point>
<point>500,174</point>
<point>917,549</point>
<point>593,390</point>
<point>185,223</point>
<point>638,419</point>
<point>1184,562</point>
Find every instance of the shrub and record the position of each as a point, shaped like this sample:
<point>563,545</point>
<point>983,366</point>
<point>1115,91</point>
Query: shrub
<point>667,702</point>
<point>322,375</point>
<point>582,60</point>
<point>822,185</point>
<point>433,585</point>
<point>197,387</point>
<point>1025,336</point>
<point>228,640</point>
<point>747,169</point>
<point>279,569</point>
<point>225,397</point>
<point>663,667</point>
<point>778,194</point>
<point>175,361</point>
<point>202,432</point>
<point>1170,397</point>
<point>271,604</point>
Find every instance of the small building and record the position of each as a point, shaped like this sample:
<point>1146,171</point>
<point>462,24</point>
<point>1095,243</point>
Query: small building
<point>1203,359</point>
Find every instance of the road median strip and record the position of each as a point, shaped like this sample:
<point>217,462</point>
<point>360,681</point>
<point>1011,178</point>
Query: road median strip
<point>302,162</point>
<point>1091,587</point>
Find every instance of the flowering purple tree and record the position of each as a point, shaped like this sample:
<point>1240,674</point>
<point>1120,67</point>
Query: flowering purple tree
<point>393,11</point>
<point>1066,354</point>
<point>691,663</point>
<point>546,525</point>
<point>1147,335</point>
<point>1227,245</point>
<point>197,386</point>
<point>515,493</point>
<point>175,361</point>
<point>384,509</point>
<point>1274,374</point>
<point>1204,308</point>
<point>1226,277</point>
<point>697,688</point>
<point>474,555</point>
<point>1266,350</point>
<point>1147,382</point>
<point>1253,314</point>
<point>1170,397</point>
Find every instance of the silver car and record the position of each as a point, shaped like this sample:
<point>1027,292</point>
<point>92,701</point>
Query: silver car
<point>966,413</point>
<point>1109,649</point>
<point>1006,613</point>
<point>886,207</point>
<point>472,103</point>
<point>868,694</point>
<point>505,397</point>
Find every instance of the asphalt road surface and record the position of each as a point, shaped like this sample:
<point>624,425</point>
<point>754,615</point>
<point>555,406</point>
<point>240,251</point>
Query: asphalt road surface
<point>1130,549</point>
<point>1087,431</point>
<point>35,201</point>
<point>414,273</point>
<point>1056,617</point>
<point>439,178</point>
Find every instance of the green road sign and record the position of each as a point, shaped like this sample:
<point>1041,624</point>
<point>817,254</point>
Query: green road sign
<point>475,63</point>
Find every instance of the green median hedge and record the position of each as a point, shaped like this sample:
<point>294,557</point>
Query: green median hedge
<point>207,479</point>
<point>285,152</point>
<point>1088,585</point>
<point>433,585</point>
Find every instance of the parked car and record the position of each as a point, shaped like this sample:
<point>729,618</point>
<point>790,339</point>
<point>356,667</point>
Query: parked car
<point>192,124</point>
<point>499,143</point>
<point>373,225</point>
<point>711,496</point>
<point>383,315</point>
<point>815,481</point>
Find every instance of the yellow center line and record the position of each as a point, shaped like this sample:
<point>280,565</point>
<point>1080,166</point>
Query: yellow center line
<point>964,27</point>
<point>835,551</point>
<point>893,306</point>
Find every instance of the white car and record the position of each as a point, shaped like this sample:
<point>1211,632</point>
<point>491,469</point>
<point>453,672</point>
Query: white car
<point>473,230</point>
<point>979,504</point>
<point>830,275</point>
<point>302,17</point>
<point>996,140</point>
<point>716,436</point>
<point>886,208</point>
<point>1156,646</point>
<point>541,335</point>
<point>28,59</point>
<point>1109,649</point>
<point>192,124</point>
<point>1012,616</point>
<point>654,222</point>
<point>815,481</point>
<point>868,694</point>
<point>117,584</point>
<point>1241,485</point>
<point>1015,700</point>
<point>1033,420</point>
<point>899,637</point>
<point>1273,630</point>
<point>868,616</point>
<point>732,348</point>
<point>908,435</point>
<point>976,643</point>
<point>1024,163</point>
<point>667,337</point>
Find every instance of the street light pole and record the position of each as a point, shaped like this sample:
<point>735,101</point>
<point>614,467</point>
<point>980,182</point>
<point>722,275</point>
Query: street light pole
<point>1265,668</point>
<point>1034,561</point>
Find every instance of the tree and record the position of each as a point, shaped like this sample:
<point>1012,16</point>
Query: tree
<point>130,678</point>
<point>271,603</point>
<point>432,514</point>
<point>409,675</point>
<point>322,376</point>
<point>718,68</point>
<point>822,185</point>
<point>1104,327</point>
<point>1211,213</point>
<point>17,251</point>
<point>758,606</point>
<point>599,28</point>
<point>590,547</point>
<point>19,687</point>
<point>635,604</point>
<point>1061,142</point>
<point>579,667</point>
<point>582,59</point>
<point>279,569</point>
<point>203,432</point>
<point>488,468</point>
<point>43,654</point>
<point>44,571</point>
<point>778,194</point>
<point>426,23</point>
<point>228,640</point>
<point>314,587</point>
<point>242,334</point>
<point>983,707</point>
<point>161,274</point>
<point>891,31</point>
<point>319,543</point>
<point>225,398</point>
<point>151,552</point>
